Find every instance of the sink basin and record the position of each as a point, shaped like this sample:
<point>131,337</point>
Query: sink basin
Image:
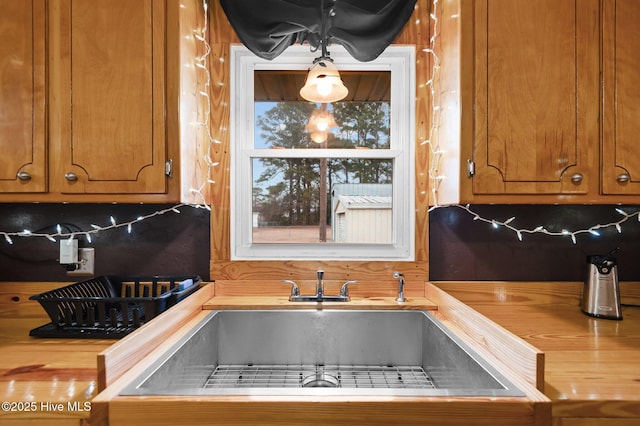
<point>321,352</point>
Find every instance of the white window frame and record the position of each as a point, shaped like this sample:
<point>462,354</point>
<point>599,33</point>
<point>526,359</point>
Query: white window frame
<point>400,60</point>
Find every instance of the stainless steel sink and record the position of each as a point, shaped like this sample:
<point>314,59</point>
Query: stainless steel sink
<point>321,352</point>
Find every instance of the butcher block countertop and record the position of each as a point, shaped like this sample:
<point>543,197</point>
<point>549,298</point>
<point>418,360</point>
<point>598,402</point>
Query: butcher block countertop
<point>592,366</point>
<point>42,381</point>
<point>274,295</point>
<point>52,381</point>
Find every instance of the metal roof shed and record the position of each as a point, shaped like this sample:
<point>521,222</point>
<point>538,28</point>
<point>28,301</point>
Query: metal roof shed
<point>363,219</point>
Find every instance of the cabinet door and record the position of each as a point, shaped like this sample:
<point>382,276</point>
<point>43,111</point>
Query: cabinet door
<point>621,97</point>
<point>536,96</point>
<point>22,96</point>
<point>107,96</point>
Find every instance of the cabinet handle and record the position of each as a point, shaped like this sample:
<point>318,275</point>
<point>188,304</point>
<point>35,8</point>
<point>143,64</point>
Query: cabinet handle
<point>23,176</point>
<point>623,178</point>
<point>577,178</point>
<point>71,177</point>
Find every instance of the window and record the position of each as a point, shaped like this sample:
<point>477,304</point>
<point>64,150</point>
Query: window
<point>322,181</point>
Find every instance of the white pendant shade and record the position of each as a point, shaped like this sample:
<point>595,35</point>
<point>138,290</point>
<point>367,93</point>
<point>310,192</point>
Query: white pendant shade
<point>323,84</point>
<point>319,137</point>
<point>319,125</point>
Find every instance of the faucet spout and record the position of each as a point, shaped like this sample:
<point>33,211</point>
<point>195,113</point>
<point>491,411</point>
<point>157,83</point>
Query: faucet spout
<point>320,285</point>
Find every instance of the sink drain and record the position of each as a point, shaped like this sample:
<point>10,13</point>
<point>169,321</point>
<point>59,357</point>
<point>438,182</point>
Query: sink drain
<point>320,380</point>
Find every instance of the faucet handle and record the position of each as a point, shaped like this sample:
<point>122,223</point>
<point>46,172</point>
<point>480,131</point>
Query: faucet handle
<point>295,290</point>
<point>344,290</point>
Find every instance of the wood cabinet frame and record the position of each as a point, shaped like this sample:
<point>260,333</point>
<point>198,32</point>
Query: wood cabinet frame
<point>458,52</point>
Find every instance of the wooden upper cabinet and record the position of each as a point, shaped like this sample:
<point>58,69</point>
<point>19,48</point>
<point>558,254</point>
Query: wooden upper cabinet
<point>536,96</point>
<point>107,96</point>
<point>621,97</point>
<point>22,96</point>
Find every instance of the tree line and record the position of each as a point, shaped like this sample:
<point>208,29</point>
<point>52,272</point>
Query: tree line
<point>287,191</point>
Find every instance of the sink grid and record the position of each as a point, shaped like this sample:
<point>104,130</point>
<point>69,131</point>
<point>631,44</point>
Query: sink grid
<point>288,376</point>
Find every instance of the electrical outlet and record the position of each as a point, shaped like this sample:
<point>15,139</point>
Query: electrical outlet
<point>86,262</point>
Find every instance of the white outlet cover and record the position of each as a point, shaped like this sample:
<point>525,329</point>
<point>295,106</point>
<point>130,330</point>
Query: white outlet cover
<point>86,262</point>
<point>68,251</point>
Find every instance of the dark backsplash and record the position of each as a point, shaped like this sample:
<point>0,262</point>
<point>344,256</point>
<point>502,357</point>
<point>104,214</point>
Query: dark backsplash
<point>460,248</point>
<point>168,244</point>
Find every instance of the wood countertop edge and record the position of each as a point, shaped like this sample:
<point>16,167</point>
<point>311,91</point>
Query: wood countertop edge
<point>518,360</point>
<point>110,397</point>
<point>119,357</point>
<point>137,366</point>
<point>111,394</point>
<point>592,369</point>
<point>483,294</point>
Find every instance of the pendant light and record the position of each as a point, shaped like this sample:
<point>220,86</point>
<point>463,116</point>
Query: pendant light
<point>323,83</point>
<point>320,123</point>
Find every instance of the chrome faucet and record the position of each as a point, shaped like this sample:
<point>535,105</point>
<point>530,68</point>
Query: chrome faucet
<point>319,296</point>
<point>400,277</point>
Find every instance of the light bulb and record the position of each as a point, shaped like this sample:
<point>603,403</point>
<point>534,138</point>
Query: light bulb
<point>319,137</point>
<point>319,124</point>
<point>322,124</point>
<point>324,86</point>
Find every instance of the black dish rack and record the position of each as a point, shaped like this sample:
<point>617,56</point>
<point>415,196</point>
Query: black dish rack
<point>110,306</point>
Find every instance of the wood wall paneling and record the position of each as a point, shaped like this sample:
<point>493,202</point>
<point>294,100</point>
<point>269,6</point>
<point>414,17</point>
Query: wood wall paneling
<point>416,32</point>
<point>186,107</point>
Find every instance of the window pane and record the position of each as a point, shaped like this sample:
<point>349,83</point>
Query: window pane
<point>284,120</point>
<point>313,200</point>
<point>303,183</point>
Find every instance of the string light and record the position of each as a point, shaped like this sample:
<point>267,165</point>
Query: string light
<point>436,176</point>
<point>95,228</point>
<point>201,63</point>
<point>592,230</point>
<point>203,121</point>
<point>433,83</point>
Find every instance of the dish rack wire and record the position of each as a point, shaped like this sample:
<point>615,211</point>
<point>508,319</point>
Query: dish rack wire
<point>110,306</point>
